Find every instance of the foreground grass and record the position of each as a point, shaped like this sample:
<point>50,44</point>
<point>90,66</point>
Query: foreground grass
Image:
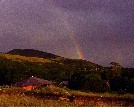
<point>68,92</point>
<point>13,96</point>
<point>51,89</point>
<point>23,100</point>
<point>106,94</point>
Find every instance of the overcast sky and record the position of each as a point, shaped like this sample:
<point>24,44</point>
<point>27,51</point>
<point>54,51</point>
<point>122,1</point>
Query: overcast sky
<point>104,29</point>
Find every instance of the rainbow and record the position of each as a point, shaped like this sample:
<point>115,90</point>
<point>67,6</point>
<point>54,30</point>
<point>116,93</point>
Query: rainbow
<point>73,37</point>
<point>116,53</point>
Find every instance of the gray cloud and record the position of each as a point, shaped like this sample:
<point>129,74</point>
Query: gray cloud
<point>104,28</point>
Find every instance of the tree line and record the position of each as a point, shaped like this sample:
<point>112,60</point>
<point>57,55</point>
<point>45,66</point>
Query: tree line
<point>82,75</point>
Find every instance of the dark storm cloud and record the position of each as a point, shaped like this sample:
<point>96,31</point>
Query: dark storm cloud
<point>36,22</point>
<point>104,28</point>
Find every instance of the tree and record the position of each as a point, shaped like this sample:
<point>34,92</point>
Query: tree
<point>93,82</point>
<point>116,69</point>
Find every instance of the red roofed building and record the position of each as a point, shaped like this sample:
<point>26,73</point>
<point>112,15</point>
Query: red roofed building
<point>33,83</point>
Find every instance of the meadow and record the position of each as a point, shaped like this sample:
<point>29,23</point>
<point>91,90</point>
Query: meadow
<point>52,96</point>
<point>23,58</point>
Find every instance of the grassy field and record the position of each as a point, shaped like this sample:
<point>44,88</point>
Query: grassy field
<point>23,100</point>
<point>23,58</point>
<point>12,96</point>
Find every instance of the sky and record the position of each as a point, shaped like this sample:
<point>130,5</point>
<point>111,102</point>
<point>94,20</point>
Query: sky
<point>100,31</point>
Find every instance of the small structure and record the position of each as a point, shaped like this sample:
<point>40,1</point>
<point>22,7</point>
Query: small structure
<point>64,83</point>
<point>33,83</point>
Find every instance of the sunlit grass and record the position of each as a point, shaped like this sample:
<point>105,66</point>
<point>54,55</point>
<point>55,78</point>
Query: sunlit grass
<point>68,92</point>
<point>51,89</point>
<point>23,58</point>
<point>13,96</point>
<point>23,100</point>
<point>106,94</point>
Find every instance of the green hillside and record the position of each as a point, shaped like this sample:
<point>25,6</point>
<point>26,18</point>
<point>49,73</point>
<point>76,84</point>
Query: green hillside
<point>32,53</point>
<point>23,58</point>
<point>81,74</point>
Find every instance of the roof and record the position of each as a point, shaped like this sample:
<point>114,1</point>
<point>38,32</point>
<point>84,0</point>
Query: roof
<point>34,81</point>
<point>64,83</point>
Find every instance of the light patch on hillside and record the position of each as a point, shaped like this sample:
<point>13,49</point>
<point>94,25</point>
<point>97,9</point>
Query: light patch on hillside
<point>23,58</point>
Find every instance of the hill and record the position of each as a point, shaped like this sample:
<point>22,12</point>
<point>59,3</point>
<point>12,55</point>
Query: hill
<point>32,53</point>
<point>23,58</point>
<point>80,74</point>
<point>48,56</point>
<point>14,66</point>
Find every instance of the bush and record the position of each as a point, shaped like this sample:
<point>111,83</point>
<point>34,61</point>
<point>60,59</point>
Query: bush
<point>91,82</point>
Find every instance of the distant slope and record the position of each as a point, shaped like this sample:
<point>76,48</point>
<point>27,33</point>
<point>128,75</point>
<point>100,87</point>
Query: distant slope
<point>32,53</point>
<point>23,58</point>
<point>52,57</point>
